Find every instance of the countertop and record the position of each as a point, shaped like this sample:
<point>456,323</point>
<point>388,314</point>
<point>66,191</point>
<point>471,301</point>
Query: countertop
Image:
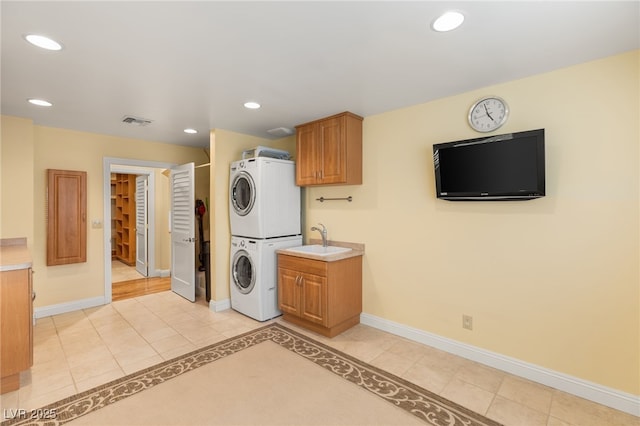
<point>357,249</point>
<point>14,254</point>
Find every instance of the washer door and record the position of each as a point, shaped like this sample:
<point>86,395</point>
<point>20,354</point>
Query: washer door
<point>243,272</point>
<point>243,193</point>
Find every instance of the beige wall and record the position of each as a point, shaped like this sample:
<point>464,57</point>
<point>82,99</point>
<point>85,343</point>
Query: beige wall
<point>225,148</point>
<point>70,150</point>
<point>16,200</point>
<point>552,281</point>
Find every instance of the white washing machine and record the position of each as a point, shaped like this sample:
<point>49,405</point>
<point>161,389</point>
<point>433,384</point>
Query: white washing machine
<point>264,201</point>
<point>254,275</point>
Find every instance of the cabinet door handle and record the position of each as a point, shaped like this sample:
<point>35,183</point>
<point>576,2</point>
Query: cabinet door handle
<point>33,296</point>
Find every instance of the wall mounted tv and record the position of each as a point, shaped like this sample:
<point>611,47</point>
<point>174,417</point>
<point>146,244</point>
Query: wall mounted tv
<point>503,167</point>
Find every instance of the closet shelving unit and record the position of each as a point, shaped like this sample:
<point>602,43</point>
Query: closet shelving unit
<point>124,203</point>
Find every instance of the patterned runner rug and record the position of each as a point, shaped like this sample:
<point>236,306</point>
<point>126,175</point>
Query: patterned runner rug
<point>269,376</point>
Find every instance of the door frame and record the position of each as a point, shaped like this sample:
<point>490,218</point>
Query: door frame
<point>131,166</point>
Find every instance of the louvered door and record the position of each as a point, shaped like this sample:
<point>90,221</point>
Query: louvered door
<point>142,264</point>
<point>183,274</point>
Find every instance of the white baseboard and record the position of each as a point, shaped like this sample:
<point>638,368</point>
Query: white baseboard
<point>588,390</point>
<point>163,273</point>
<point>220,305</point>
<point>62,308</point>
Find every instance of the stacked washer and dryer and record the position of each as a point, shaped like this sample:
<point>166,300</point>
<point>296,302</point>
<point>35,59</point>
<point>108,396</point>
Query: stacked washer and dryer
<point>264,210</point>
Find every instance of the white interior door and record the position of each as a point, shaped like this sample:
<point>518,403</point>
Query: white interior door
<point>142,225</point>
<point>183,238</point>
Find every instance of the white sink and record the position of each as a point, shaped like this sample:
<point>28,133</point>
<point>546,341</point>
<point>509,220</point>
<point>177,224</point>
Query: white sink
<point>319,250</point>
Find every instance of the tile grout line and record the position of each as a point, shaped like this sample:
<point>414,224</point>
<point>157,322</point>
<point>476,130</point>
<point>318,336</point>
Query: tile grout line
<point>105,343</point>
<point>137,332</point>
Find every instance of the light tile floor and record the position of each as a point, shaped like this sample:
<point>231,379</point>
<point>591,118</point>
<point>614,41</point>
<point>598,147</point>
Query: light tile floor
<point>76,351</point>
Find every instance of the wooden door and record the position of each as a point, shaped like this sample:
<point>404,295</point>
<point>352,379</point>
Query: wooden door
<point>332,148</point>
<point>307,156</point>
<point>288,291</point>
<point>313,303</point>
<point>66,217</point>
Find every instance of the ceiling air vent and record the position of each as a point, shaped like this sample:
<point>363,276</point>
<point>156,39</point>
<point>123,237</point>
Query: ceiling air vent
<point>280,131</point>
<point>130,119</point>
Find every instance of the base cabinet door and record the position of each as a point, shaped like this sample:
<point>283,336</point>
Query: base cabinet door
<point>313,304</point>
<point>288,291</point>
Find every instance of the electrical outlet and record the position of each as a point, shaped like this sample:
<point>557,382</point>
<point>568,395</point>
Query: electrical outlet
<point>467,322</point>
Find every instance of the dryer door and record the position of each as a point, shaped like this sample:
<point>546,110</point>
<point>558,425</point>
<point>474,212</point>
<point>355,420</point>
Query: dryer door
<point>243,272</point>
<point>243,193</point>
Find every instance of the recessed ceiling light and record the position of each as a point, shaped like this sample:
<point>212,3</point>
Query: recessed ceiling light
<point>43,42</point>
<point>448,21</point>
<point>40,102</point>
<point>191,131</point>
<point>252,105</point>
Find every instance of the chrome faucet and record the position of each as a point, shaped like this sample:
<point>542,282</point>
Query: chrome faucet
<point>323,232</point>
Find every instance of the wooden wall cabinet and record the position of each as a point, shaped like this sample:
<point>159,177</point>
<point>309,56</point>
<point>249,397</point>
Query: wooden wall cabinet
<point>325,297</point>
<point>329,151</point>
<point>16,326</point>
<point>125,218</point>
<point>66,217</point>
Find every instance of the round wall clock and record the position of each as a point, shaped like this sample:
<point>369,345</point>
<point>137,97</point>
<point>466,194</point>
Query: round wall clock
<point>488,113</point>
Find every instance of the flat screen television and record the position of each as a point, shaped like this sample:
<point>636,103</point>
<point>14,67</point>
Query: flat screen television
<point>503,167</point>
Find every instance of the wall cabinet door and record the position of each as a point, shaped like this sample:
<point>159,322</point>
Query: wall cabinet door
<point>66,217</point>
<point>307,158</point>
<point>332,149</point>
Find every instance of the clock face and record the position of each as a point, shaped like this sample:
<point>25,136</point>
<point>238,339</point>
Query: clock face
<point>488,114</point>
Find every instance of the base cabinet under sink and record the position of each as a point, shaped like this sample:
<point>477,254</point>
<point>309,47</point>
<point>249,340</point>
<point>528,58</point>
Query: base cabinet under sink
<point>325,297</point>
<point>16,326</point>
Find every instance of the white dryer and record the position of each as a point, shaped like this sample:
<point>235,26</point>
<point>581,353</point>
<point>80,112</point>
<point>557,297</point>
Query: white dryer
<point>264,200</point>
<point>254,275</point>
